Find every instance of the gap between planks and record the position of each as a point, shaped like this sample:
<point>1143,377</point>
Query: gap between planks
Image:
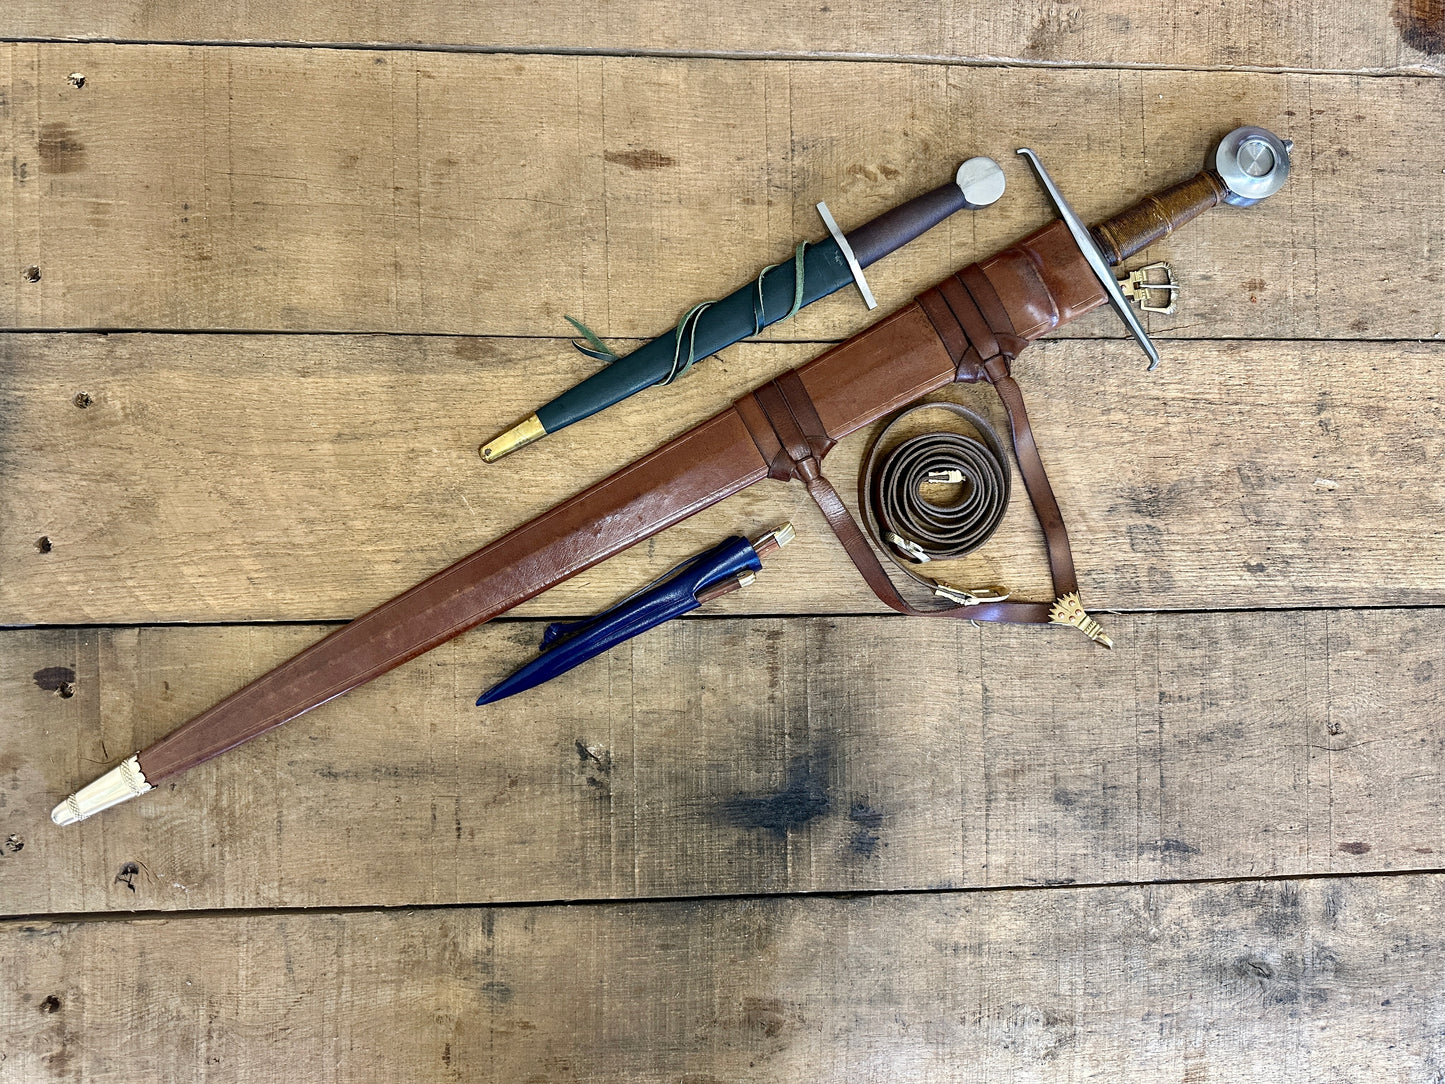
<point>1403,71</point>
<point>207,914</point>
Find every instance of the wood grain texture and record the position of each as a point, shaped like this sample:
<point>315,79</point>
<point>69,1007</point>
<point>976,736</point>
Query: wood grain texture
<point>1328,980</point>
<point>233,478</point>
<point>1376,35</point>
<point>724,756</point>
<point>301,189</point>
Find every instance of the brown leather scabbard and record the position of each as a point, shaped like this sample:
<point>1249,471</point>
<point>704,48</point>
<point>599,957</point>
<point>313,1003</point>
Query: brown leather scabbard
<point>967,328</point>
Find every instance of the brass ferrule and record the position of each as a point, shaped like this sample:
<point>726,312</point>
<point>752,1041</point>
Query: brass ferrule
<point>776,538</point>
<point>519,436</point>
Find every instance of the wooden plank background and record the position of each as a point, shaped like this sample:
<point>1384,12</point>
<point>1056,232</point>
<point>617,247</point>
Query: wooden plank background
<point>262,298</point>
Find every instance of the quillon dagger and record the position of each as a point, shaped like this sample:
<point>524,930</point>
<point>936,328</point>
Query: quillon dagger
<point>1036,285</point>
<point>816,271</point>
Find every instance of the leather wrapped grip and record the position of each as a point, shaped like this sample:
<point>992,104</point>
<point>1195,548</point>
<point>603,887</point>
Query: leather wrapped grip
<point>893,229</point>
<point>1158,216</point>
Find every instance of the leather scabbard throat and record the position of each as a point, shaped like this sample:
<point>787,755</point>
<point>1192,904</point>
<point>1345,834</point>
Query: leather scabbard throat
<point>974,326</point>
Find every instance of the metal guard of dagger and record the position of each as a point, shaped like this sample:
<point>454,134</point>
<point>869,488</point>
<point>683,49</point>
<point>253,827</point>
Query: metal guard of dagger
<point>566,645</point>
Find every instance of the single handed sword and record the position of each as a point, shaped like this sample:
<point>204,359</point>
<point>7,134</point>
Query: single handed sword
<point>968,327</point>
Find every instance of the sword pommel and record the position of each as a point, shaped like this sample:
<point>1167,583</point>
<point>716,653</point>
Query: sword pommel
<point>978,183</point>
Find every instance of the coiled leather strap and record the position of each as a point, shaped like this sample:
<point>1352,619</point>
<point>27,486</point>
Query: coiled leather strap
<point>899,512</point>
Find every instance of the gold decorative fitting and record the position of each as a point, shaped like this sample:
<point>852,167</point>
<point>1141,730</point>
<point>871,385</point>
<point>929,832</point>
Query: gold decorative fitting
<point>519,436</point>
<point>124,781</point>
<point>911,550</point>
<point>1069,610</point>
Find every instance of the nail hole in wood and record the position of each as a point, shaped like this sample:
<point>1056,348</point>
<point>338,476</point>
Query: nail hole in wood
<point>43,544</point>
<point>83,399</point>
<point>32,274</point>
<point>76,80</point>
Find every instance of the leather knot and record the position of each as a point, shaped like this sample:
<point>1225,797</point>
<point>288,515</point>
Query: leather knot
<point>786,428</point>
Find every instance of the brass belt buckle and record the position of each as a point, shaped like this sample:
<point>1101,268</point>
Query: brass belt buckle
<point>1137,286</point>
<point>969,598</point>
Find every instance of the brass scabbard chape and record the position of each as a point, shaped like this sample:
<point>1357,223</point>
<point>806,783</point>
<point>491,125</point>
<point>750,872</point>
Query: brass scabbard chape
<point>519,436</point>
<point>1069,610</point>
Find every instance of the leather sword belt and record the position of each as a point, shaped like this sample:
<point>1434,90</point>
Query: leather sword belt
<point>902,516</point>
<point>973,325</point>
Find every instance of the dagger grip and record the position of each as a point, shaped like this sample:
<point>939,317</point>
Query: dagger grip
<point>1158,216</point>
<point>894,228</point>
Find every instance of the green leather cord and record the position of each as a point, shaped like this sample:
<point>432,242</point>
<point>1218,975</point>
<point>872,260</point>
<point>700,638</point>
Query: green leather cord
<point>596,348</point>
<point>760,319</point>
<point>679,367</point>
<point>599,349</point>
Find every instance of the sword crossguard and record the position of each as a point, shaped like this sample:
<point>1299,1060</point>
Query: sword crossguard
<point>1095,258</point>
<point>1248,165</point>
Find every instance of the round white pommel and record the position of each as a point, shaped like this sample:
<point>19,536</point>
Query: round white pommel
<point>981,180</point>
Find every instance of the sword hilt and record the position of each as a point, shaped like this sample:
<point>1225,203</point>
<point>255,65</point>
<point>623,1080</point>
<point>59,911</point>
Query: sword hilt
<point>978,183</point>
<point>1249,164</point>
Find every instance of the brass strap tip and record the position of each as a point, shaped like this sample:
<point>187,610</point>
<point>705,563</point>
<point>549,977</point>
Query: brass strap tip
<point>969,598</point>
<point>519,436</point>
<point>784,533</point>
<point>1069,610</point>
<point>778,537</point>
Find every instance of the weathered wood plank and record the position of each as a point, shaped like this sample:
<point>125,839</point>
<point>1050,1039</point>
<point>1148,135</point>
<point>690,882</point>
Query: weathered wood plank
<point>299,189</point>
<point>1378,35</point>
<point>223,478</point>
<point>723,756</point>
<point>1334,979</point>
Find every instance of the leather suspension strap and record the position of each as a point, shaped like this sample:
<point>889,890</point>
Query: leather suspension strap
<point>899,515</point>
<point>975,328</point>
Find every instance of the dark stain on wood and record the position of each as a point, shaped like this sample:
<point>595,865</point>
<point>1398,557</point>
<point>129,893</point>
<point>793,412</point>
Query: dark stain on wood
<point>498,992</point>
<point>1280,913</point>
<point>595,766</point>
<point>1421,24</point>
<point>804,796</point>
<point>1169,847</point>
<point>470,349</point>
<point>1355,848</point>
<point>865,838</point>
<point>643,159</point>
<point>764,1014</point>
<point>61,150</point>
<point>54,678</point>
<point>1146,538</point>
